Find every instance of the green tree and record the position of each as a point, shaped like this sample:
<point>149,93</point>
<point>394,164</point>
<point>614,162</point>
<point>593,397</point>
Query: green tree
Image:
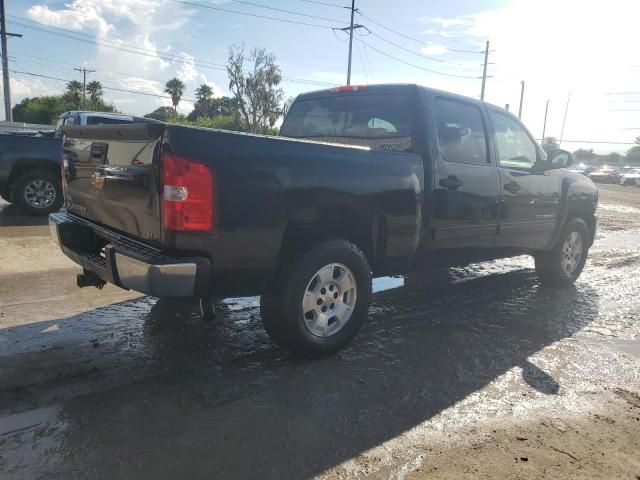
<point>165,114</point>
<point>550,143</point>
<point>94,89</point>
<point>175,88</point>
<point>584,155</point>
<point>47,109</point>
<point>213,107</point>
<point>74,93</point>
<point>633,154</point>
<point>255,91</point>
<point>204,93</point>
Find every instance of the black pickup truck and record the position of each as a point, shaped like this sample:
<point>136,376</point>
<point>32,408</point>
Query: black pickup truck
<point>30,162</point>
<point>363,182</point>
<point>30,171</point>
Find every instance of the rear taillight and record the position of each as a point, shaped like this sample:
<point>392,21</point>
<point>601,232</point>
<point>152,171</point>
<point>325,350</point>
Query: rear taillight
<point>187,195</point>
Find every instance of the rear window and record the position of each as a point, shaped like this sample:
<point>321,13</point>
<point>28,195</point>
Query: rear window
<point>94,120</point>
<point>377,121</point>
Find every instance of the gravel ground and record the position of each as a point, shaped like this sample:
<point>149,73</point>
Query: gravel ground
<point>474,372</point>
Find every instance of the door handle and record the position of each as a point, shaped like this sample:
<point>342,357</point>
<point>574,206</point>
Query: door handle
<point>451,182</point>
<point>512,187</point>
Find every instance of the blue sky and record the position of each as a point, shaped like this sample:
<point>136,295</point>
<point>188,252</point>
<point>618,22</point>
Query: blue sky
<point>561,46</point>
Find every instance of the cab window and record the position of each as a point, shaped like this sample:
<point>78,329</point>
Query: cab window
<point>461,132</point>
<point>377,121</point>
<point>515,147</point>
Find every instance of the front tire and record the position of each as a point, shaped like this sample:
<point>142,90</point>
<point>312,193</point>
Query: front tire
<point>564,263</point>
<point>38,192</point>
<point>320,303</point>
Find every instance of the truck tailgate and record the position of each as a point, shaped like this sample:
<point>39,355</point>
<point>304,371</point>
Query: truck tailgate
<point>111,174</point>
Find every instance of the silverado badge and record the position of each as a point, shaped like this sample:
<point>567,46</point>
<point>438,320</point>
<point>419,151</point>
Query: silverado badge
<point>98,180</point>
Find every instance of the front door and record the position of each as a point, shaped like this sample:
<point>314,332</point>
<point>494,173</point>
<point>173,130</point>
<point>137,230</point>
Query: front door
<point>530,194</point>
<point>466,181</point>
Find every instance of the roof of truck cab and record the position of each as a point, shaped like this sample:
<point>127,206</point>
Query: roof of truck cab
<point>385,88</point>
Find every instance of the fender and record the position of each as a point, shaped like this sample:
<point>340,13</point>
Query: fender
<point>578,198</point>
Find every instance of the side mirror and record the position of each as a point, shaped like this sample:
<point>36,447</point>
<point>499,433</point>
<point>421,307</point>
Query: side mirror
<point>560,158</point>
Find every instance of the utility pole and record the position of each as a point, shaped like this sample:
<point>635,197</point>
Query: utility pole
<point>566,109</point>
<point>484,70</point>
<point>8,116</point>
<point>544,126</point>
<point>351,28</point>
<point>521,98</point>
<point>84,82</point>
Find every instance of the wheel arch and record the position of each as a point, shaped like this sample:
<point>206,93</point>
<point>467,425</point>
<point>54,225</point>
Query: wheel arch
<point>366,228</point>
<point>24,165</point>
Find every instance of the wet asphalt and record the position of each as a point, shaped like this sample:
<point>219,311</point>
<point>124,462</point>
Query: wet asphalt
<point>112,385</point>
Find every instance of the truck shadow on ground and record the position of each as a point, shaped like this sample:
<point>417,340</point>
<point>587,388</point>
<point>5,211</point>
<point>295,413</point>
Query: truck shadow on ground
<point>219,401</point>
<point>12,216</point>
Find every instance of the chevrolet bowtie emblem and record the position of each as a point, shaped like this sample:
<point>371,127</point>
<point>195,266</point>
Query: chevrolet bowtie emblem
<point>98,180</point>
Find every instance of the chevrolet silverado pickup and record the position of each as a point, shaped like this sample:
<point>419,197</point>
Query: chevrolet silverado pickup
<point>363,182</point>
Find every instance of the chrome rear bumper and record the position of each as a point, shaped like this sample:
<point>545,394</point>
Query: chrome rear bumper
<point>126,262</point>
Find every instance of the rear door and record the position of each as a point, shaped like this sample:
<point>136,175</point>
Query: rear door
<point>530,194</point>
<point>466,183</point>
<point>111,174</point>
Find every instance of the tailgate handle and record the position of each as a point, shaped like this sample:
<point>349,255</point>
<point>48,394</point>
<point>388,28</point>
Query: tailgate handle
<point>99,153</point>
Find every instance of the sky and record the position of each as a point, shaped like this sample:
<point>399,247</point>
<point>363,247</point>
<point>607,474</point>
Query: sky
<point>588,49</point>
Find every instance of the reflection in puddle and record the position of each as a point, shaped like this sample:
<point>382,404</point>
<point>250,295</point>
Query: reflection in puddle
<point>381,284</point>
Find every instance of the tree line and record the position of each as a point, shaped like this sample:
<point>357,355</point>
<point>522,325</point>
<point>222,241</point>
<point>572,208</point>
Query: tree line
<point>632,155</point>
<point>255,105</point>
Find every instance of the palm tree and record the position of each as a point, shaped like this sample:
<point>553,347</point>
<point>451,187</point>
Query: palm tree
<point>175,88</point>
<point>204,93</point>
<point>74,92</point>
<point>94,89</point>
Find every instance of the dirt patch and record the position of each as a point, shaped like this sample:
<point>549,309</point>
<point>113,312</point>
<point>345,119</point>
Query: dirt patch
<point>603,445</point>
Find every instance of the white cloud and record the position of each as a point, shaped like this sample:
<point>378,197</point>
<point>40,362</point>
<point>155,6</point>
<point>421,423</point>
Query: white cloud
<point>80,15</point>
<point>581,46</point>
<point>22,88</point>
<point>433,49</point>
<point>143,24</point>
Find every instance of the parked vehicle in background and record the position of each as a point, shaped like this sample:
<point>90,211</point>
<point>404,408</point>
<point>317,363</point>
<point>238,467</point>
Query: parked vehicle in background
<point>30,172</point>
<point>582,168</point>
<point>630,177</point>
<point>605,174</point>
<point>373,181</point>
<point>30,163</point>
<point>79,117</point>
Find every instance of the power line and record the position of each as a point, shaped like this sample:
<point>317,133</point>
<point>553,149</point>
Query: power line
<point>323,3</point>
<point>422,42</point>
<point>286,11</point>
<point>441,60</point>
<point>413,64</point>
<point>265,17</point>
<point>122,46</point>
<point>32,74</point>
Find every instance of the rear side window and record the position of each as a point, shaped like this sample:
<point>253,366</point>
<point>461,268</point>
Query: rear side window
<point>378,121</point>
<point>461,133</point>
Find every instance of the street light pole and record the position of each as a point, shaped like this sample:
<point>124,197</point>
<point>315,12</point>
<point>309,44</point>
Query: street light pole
<point>353,9</point>
<point>544,126</point>
<point>84,84</point>
<point>521,98</point>
<point>484,70</point>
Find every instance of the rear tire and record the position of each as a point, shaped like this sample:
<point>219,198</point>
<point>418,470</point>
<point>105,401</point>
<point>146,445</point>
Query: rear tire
<point>37,192</point>
<point>321,301</point>
<point>564,263</point>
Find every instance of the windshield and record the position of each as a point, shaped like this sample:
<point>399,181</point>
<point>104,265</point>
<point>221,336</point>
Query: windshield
<point>377,121</point>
